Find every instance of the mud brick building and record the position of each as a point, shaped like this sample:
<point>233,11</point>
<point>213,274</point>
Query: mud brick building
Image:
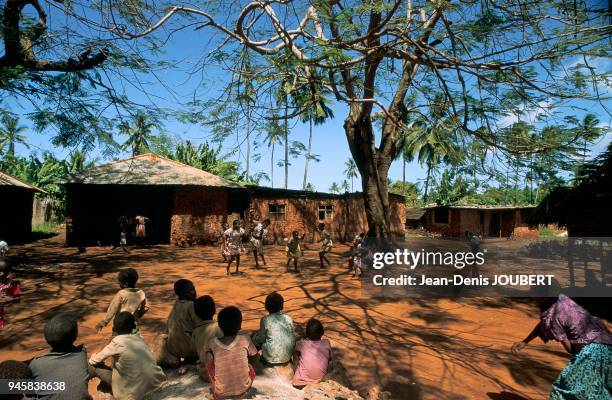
<point>343,214</point>
<point>187,206</point>
<point>487,221</point>
<point>16,201</point>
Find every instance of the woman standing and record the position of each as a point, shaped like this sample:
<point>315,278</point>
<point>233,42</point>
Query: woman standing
<point>141,230</point>
<point>588,375</point>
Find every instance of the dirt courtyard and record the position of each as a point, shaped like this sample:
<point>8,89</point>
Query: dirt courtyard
<point>415,348</point>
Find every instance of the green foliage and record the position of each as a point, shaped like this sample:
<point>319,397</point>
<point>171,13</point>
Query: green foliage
<point>409,190</point>
<point>334,188</point>
<point>208,158</point>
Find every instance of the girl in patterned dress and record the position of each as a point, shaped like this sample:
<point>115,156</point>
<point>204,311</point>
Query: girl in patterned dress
<point>10,291</point>
<point>232,239</point>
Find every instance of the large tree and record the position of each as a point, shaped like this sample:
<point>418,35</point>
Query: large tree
<point>376,55</point>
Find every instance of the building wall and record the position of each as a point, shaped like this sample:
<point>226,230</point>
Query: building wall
<point>302,214</point>
<point>197,215</point>
<point>16,221</point>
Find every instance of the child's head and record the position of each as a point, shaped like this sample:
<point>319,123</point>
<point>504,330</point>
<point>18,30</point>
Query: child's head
<point>295,234</point>
<point>61,331</point>
<point>204,307</point>
<point>266,222</point>
<point>3,247</point>
<point>124,323</point>
<point>185,290</point>
<point>230,321</point>
<point>225,226</point>
<point>321,226</point>
<point>5,267</point>
<point>274,302</point>
<point>128,278</point>
<point>314,329</point>
<point>236,224</point>
<point>14,370</point>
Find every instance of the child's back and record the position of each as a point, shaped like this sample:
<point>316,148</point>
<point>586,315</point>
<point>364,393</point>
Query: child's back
<point>229,371</point>
<point>315,355</point>
<point>182,320</point>
<point>206,329</point>
<point>64,363</point>
<point>276,332</point>
<point>135,372</point>
<point>129,298</point>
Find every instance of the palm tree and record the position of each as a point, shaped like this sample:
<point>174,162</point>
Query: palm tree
<point>432,144</point>
<point>274,136</point>
<point>10,134</point>
<point>139,132</point>
<point>345,186</point>
<point>334,188</point>
<point>311,100</point>
<point>404,148</point>
<point>350,170</point>
<point>588,129</point>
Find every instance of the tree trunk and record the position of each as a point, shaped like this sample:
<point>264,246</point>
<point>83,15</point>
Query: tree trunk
<point>373,167</point>
<point>427,183</point>
<point>272,166</point>
<point>307,154</point>
<point>286,143</point>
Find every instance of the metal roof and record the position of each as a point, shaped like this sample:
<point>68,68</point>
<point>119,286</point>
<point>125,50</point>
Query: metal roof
<point>148,169</point>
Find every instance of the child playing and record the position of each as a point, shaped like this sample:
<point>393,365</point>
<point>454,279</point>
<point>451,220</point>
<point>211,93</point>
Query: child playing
<point>275,336</point>
<point>224,249</point>
<point>134,373</point>
<point>326,246</point>
<point>314,355</point>
<point>182,320</point>
<point>65,362</point>
<point>10,291</point>
<point>232,238</point>
<point>229,370</point>
<point>294,250</point>
<point>257,238</point>
<point>206,330</point>
<point>128,298</point>
<point>353,249</point>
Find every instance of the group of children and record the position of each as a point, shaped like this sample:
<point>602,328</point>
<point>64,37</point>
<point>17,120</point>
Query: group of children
<point>234,238</point>
<point>225,356</point>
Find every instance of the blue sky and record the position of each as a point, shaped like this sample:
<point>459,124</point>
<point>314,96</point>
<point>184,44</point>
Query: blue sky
<point>329,141</point>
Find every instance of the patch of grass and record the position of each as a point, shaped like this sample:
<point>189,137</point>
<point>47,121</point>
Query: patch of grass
<point>545,231</point>
<point>46,228</point>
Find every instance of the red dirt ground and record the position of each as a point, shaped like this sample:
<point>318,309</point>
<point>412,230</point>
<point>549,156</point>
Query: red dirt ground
<point>414,348</point>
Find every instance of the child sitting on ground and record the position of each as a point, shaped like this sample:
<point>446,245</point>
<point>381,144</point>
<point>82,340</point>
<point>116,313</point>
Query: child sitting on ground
<point>182,320</point>
<point>314,355</point>
<point>206,330</point>
<point>129,298</point>
<point>14,370</point>
<point>229,370</point>
<point>294,250</point>
<point>134,373</point>
<point>10,291</point>
<point>65,362</point>
<point>275,336</point>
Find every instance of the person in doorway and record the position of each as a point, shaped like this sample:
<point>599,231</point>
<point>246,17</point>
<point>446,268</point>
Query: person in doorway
<point>141,228</point>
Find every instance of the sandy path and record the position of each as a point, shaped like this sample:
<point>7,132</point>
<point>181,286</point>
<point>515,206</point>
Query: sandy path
<point>415,348</point>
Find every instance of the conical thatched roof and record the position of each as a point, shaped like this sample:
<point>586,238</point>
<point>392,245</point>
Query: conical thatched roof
<point>148,169</point>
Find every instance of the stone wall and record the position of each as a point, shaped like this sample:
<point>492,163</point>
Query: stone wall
<point>197,215</point>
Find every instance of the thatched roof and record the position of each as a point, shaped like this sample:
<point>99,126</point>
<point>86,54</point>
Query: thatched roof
<point>415,213</point>
<point>9,180</point>
<point>148,169</point>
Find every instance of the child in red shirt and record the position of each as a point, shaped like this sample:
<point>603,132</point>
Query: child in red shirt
<point>10,291</point>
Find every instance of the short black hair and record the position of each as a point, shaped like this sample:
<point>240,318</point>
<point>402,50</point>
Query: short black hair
<point>12,369</point>
<point>230,321</point>
<point>5,264</point>
<point>274,302</point>
<point>266,221</point>
<point>321,226</point>
<point>204,307</point>
<point>181,286</point>
<point>128,277</point>
<point>124,323</point>
<point>61,331</point>
<point>314,329</point>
